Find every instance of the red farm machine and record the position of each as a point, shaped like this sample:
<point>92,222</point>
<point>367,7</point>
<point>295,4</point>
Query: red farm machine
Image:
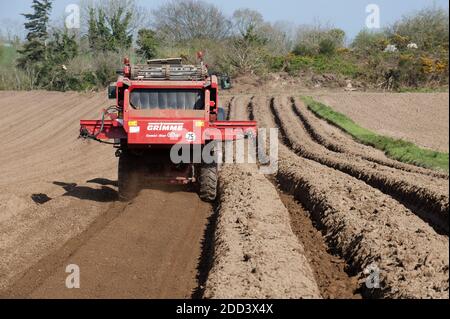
<point>162,109</point>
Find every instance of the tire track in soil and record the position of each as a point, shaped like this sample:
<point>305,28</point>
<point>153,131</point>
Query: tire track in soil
<point>148,248</point>
<point>81,219</point>
<point>34,276</point>
<point>365,226</point>
<point>255,253</point>
<point>329,270</point>
<point>41,163</point>
<point>428,200</point>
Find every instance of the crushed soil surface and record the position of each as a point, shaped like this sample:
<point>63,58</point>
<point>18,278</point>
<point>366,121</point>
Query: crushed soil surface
<point>335,215</point>
<point>151,249</point>
<point>429,194</point>
<point>369,229</point>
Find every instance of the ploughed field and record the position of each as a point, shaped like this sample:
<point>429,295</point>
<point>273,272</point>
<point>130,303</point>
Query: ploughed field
<point>416,117</point>
<point>335,220</point>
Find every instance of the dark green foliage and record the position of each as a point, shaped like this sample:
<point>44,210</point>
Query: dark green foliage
<point>367,42</point>
<point>319,41</point>
<point>147,44</point>
<point>109,33</point>
<point>33,55</point>
<point>327,47</point>
<point>252,37</point>
<point>61,49</point>
<point>302,49</point>
<point>428,28</point>
<point>37,21</point>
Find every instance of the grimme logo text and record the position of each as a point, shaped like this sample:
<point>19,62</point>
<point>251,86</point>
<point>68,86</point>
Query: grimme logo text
<point>165,126</point>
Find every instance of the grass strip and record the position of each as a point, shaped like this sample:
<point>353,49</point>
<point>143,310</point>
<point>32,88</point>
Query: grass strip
<point>397,149</point>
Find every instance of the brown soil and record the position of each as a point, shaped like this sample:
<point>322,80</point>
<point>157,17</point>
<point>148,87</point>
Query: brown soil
<point>148,249</point>
<point>356,207</point>
<point>366,226</point>
<point>41,155</point>
<point>329,269</point>
<point>151,249</point>
<point>428,194</point>
<point>336,140</point>
<point>256,254</point>
<point>246,191</point>
<point>422,118</point>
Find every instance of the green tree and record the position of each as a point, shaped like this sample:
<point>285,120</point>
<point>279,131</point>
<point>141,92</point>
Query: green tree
<point>428,28</point>
<point>34,54</point>
<point>313,40</point>
<point>147,43</point>
<point>61,50</point>
<point>246,53</point>
<point>63,47</point>
<point>110,32</point>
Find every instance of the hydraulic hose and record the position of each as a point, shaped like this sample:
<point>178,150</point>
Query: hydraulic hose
<point>85,133</point>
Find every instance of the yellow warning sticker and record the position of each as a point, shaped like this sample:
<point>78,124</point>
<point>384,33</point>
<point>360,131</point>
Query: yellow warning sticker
<point>132,123</point>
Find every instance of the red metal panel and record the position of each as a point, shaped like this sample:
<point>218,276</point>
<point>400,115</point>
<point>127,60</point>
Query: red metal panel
<point>110,129</point>
<point>158,131</point>
<point>169,127</point>
<point>230,130</point>
<point>167,84</point>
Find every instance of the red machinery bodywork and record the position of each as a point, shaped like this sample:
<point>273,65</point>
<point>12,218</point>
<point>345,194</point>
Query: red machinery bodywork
<point>149,131</point>
<point>167,127</point>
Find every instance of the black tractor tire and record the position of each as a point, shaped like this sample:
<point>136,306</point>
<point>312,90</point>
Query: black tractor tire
<point>208,181</point>
<point>128,177</point>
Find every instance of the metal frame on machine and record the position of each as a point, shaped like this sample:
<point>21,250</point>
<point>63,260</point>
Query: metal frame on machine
<point>133,125</point>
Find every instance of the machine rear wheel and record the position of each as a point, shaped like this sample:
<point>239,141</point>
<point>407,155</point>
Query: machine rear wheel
<point>128,177</point>
<point>208,177</point>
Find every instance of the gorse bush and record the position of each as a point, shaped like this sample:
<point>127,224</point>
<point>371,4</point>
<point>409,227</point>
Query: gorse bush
<point>338,64</point>
<point>428,28</point>
<point>327,47</point>
<point>367,41</point>
<point>147,43</point>
<point>302,49</point>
